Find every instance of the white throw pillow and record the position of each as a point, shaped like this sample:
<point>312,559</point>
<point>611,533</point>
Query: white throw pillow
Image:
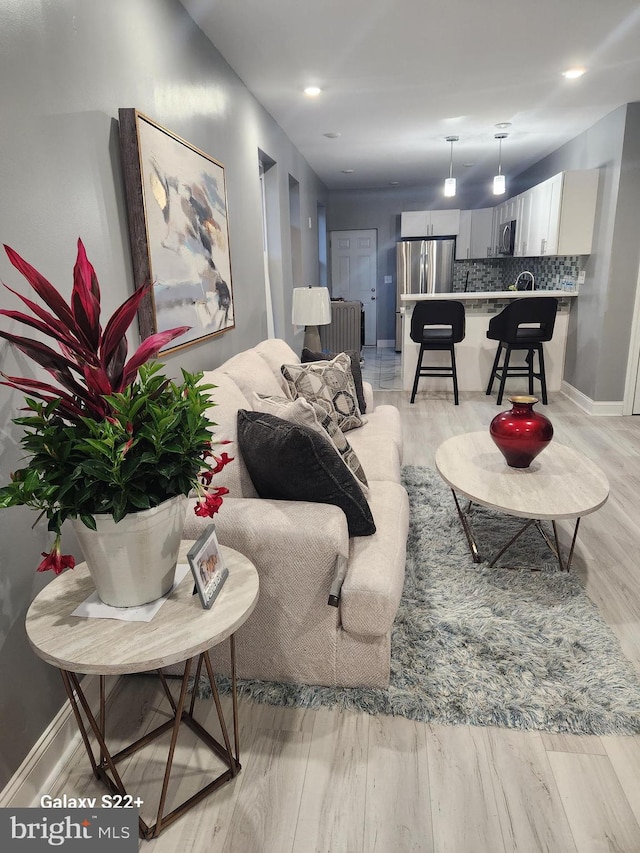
<point>301,411</point>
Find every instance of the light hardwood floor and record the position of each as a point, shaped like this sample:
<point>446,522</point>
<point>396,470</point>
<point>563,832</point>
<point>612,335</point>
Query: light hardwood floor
<point>337,782</point>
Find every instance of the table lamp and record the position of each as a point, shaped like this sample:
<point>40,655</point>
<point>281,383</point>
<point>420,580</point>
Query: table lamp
<point>311,307</point>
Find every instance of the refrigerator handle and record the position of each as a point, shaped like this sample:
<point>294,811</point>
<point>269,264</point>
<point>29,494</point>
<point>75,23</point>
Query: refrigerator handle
<point>422,267</point>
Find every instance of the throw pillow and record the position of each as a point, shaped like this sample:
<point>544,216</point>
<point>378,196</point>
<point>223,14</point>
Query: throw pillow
<point>356,371</point>
<point>301,411</point>
<point>330,384</point>
<point>293,462</point>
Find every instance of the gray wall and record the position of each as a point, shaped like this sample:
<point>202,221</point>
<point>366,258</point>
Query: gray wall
<point>380,209</point>
<point>600,327</point>
<point>65,69</point>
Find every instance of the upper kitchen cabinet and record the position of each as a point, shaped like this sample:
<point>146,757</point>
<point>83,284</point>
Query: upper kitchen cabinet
<point>557,216</point>
<point>475,237</point>
<point>429,223</point>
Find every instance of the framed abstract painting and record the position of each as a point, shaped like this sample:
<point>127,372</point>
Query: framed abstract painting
<point>177,207</point>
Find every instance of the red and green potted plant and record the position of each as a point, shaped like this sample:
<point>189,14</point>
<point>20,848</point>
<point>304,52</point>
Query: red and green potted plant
<point>114,436</point>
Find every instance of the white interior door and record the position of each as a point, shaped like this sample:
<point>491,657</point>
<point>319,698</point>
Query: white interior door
<point>354,273</point>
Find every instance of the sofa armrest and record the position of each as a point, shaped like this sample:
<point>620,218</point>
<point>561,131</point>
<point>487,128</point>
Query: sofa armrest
<point>367,390</point>
<point>299,548</point>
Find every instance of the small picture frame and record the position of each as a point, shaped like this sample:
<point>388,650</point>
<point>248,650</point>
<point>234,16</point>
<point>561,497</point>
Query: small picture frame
<point>207,567</point>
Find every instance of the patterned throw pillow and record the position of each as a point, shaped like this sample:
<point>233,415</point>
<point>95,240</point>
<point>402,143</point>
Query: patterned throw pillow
<point>356,371</point>
<point>329,384</point>
<point>301,411</point>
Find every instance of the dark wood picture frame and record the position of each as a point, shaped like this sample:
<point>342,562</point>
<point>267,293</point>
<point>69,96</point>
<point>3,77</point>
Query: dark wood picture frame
<point>177,210</point>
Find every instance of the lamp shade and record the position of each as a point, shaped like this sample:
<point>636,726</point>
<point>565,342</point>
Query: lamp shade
<point>450,187</point>
<point>311,306</point>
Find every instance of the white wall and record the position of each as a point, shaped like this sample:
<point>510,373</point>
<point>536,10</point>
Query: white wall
<point>66,66</point>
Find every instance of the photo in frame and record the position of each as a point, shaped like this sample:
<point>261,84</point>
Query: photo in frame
<point>177,210</point>
<point>207,566</point>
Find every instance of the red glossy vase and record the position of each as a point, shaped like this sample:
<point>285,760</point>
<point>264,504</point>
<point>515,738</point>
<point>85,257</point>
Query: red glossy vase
<point>520,434</point>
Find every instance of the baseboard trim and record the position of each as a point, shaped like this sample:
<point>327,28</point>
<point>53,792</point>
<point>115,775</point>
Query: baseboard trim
<point>386,343</point>
<point>50,753</point>
<point>595,408</point>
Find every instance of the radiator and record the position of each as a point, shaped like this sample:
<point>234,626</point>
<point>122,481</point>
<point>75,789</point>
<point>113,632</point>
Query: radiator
<point>346,329</point>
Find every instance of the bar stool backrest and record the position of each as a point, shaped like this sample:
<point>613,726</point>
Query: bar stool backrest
<point>538,309</point>
<point>438,312</point>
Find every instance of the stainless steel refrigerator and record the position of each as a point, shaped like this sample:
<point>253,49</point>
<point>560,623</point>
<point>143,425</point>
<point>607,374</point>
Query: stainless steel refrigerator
<point>422,266</point>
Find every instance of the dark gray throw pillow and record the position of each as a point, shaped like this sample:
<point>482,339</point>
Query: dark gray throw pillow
<point>292,462</point>
<point>356,371</point>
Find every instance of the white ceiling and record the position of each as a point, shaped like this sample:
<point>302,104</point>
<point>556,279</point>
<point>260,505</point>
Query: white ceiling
<point>398,76</point>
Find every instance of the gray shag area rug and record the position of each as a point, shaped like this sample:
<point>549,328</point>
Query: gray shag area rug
<point>481,646</point>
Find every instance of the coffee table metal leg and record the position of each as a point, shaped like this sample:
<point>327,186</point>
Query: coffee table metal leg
<point>524,527</point>
<point>566,565</point>
<point>467,530</point>
<point>554,545</point>
<point>573,543</point>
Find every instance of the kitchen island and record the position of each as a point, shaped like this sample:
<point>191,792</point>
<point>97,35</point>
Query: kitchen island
<point>475,354</point>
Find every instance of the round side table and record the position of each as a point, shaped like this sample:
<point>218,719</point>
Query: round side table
<point>181,631</point>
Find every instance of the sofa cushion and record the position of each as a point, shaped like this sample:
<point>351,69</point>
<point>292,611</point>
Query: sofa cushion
<point>301,411</point>
<point>251,373</point>
<point>276,352</point>
<point>292,462</point>
<point>330,384</point>
<point>383,425</point>
<point>227,399</point>
<point>378,454</point>
<point>356,371</point>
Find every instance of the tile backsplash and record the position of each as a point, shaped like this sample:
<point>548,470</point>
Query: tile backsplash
<point>499,273</point>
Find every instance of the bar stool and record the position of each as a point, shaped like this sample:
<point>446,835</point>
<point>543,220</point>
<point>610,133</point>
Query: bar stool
<point>514,330</point>
<point>427,322</point>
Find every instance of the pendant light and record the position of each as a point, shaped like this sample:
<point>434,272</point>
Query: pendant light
<point>499,183</point>
<point>450,182</point>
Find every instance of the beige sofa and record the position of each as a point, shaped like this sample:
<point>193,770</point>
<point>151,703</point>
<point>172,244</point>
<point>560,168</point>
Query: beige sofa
<point>302,550</point>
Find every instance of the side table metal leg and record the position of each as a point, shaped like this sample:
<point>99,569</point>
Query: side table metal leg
<point>234,696</point>
<point>75,694</point>
<point>233,763</point>
<point>157,828</point>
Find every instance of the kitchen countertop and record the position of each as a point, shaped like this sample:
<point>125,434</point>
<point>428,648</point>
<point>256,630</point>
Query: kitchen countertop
<point>488,294</point>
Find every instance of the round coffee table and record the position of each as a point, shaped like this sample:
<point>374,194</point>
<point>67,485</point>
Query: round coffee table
<point>559,484</point>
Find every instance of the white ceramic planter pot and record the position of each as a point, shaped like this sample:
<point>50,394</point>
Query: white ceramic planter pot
<point>134,561</point>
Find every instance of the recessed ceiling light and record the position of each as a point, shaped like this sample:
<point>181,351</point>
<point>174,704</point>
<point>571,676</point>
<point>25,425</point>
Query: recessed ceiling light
<point>312,91</point>
<point>503,124</point>
<point>347,171</point>
<point>393,183</point>
<point>573,73</point>
<point>332,135</point>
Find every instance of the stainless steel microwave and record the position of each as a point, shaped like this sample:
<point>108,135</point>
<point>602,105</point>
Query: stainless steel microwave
<point>507,238</point>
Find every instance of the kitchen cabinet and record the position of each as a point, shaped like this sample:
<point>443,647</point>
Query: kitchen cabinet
<point>429,223</point>
<point>577,212</point>
<point>475,237</point>
<point>504,212</point>
<point>557,216</point>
